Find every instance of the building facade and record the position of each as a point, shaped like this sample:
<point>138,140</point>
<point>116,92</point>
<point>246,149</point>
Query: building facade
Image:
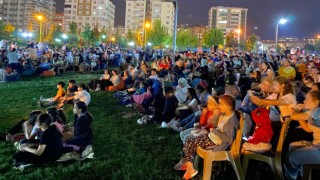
<point>99,13</point>
<point>229,19</point>
<point>58,19</point>
<point>23,13</point>
<point>138,12</point>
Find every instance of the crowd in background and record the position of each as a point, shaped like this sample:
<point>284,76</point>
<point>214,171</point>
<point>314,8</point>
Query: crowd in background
<point>201,95</point>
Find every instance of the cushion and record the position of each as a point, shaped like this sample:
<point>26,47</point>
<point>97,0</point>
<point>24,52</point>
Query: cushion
<point>121,86</point>
<point>48,73</point>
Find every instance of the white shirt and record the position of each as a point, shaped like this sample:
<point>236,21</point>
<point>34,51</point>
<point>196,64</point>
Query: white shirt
<point>83,96</point>
<point>291,102</point>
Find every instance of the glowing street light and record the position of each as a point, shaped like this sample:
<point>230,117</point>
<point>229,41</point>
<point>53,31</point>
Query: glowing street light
<point>113,39</point>
<point>318,36</point>
<point>149,44</point>
<point>146,27</point>
<point>281,21</point>
<point>64,36</point>
<point>131,44</point>
<point>40,18</point>
<point>58,40</point>
<point>104,36</point>
<point>238,31</point>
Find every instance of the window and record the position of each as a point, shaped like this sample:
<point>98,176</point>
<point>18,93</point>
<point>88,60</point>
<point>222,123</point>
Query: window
<point>80,7</point>
<point>80,18</point>
<point>80,12</point>
<point>87,7</point>
<point>87,12</point>
<point>87,18</point>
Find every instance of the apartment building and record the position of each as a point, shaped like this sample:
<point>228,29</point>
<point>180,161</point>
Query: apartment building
<point>20,13</point>
<point>229,19</point>
<point>58,19</point>
<point>92,12</point>
<point>138,12</point>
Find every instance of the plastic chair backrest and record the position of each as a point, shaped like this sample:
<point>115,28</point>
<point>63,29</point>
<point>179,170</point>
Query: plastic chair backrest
<point>235,146</point>
<point>283,134</point>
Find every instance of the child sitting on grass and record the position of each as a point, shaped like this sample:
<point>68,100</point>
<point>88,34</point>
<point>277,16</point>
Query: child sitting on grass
<point>59,96</point>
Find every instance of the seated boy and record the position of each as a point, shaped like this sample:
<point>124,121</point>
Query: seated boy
<point>71,89</point>
<point>59,96</point>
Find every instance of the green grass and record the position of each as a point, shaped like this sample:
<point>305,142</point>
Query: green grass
<point>123,149</point>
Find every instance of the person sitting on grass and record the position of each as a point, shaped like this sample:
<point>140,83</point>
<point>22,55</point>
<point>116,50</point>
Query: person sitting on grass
<point>71,89</point>
<point>218,139</point>
<point>59,96</point>
<point>82,128</point>
<point>24,125</point>
<point>49,149</point>
<point>81,95</point>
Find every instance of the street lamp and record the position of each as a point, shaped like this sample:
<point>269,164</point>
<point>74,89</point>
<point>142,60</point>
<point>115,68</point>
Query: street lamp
<point>103,36</point>
<point>40,18</point>
<point>64,36</point>
<point>146,27</point>
<point>281,21</point>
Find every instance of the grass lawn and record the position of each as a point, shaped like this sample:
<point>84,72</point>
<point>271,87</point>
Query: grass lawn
<point>123,149</point>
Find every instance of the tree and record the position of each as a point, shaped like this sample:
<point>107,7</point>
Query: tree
<point>49,37</point>
<point>8,29</point>
<point>309,47</point>
<point>130,36</point>
<point>57,32</point>
<point>186,39</point>
<point>104,32</point>
<point>317,46</point>
<point>213,37</point>
<point>139,38</point>
<point>231,41</point>
<point>30,27</point>
<point>96,34</point>
<point>87,34</point>
<point>120,40</point>
<point>251,42</point>
<point>2,25</point>
<point>157,35</point>
<point>73,28</point>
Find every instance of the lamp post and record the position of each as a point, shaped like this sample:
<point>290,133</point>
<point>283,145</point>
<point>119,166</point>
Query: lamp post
<point>281,21</point>
<point>40,18</point>
<point>146,27</point>
<point>174,46</point>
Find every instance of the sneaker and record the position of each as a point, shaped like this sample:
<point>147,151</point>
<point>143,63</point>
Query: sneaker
<point>97,89</point>
<point>164,125</point>
<point>129,105</point>
<point>86,151</point>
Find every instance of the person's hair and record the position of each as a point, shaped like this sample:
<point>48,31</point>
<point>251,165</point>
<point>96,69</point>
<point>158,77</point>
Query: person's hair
<point>168,91</point>
<point>200,88</point>
<point>270,81</point>
<point>267,64</point>
<point>81,105</point>
<point>288,88</point>
<point>72,81</point>
<point>229,100</point>
<point>83,86</point>
<point>62,84</point>
<point>315,95</point>
<point>45,118</point>
<point>115,71</point>
<point>57,115</point>
<point>299,86</point>
<point>194,95</point>
<point>308,78</point>
<point>33,115</point>
<point>317,84</point>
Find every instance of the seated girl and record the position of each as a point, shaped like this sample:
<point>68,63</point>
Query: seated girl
<point>49,149</point>
<point>208,119</point>
<point>305,152</point>
<point>218,139</point>
<point>102,82</point>
<point>24,125</point>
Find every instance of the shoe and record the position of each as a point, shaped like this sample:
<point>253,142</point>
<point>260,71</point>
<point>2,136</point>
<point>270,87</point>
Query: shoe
<point>180,166</point>
<point>86,151</point>
<point>97,89</point>
<point>178,129</point>
<point>189,176</point>
<point>129,105</point>
<point>164,125</point>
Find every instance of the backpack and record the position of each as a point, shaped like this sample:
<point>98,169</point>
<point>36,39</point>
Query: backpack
<point>263,130</point>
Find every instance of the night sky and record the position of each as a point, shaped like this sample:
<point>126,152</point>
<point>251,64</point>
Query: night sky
<point>304,20</point>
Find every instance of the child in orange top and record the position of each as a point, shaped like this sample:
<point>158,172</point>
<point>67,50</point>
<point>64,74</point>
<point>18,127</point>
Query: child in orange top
<point>56,99</point>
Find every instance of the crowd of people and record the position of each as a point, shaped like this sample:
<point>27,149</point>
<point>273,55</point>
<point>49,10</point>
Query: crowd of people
<point>201,95</point>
